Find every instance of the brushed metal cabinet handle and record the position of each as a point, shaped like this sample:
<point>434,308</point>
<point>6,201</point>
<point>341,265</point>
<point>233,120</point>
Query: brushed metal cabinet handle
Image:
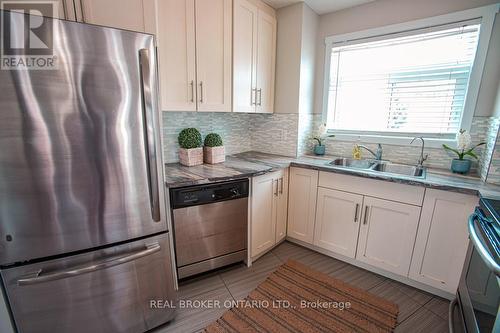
<point>281,185</point>
<point>149,133</point>
<point>253,97</point>
<point>36,276</point>
<point>192,91</point>
<point>365,220</point>
<point>356,213</point>
<point>201,91</point>
<point>260,96</point>
<point>276,190</point>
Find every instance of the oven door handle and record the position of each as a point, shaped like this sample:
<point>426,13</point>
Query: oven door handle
<point>481,249</point>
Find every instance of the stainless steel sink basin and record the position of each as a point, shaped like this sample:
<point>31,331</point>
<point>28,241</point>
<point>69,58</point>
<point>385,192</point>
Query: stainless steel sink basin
<point>399,169</point>
<point>352,163</point>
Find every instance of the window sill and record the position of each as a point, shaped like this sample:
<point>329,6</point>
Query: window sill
<point>390,140</point>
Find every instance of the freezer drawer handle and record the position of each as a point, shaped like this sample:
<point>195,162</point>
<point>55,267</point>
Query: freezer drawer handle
<point>147,104</point>
<point>36,277</point>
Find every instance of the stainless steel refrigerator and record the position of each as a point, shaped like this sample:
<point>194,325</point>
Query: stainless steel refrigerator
<point>84,244</point>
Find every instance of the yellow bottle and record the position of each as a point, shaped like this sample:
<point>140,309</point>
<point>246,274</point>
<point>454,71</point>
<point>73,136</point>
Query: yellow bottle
<point>356,152</point>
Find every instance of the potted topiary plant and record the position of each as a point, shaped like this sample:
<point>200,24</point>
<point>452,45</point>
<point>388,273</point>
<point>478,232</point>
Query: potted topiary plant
<point>190,153</point>
<point>213,149</point>
<point>461,164</point>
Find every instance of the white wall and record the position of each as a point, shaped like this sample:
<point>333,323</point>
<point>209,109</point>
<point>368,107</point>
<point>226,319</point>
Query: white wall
<point>308,59</point>
<point>295,59</point>
<point>288,53</point>
<point>386,12</point>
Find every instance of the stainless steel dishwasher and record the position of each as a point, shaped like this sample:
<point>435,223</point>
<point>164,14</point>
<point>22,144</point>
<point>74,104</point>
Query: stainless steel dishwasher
<point>210,225</point>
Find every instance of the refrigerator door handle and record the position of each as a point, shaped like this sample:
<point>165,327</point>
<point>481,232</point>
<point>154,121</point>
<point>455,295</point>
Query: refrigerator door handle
<point>147,108</point>
<point>35,277</point>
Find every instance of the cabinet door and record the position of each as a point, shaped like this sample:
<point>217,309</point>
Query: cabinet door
<point>244,56</point>
<point>266,57</point>
<point>264,193</point>
<point>213,54</point>
<point>302,203</point>
<point>172,21</point>
<point>387,234</point>
<point>442,239</point>
<point>63,8</point>
<point>337,221</point>
<point>122,14</point>
<point>282,205</point>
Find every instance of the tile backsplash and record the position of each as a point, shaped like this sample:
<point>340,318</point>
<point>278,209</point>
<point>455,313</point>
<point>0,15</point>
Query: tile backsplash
<point>232,127</point>
<point>409,154</point>
<point>271,133</point>
<point>289,135</point>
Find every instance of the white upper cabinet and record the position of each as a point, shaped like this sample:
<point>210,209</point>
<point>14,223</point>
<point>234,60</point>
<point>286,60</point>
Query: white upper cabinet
<point>266,57</point>
<point>302,204</point>
<point>194,53</point>
<point>338,217</point>
<point>173,23</point>
<point>442,239</point>
<point>122,14</point>
<point>387,234</point>
<point>244,56</point>
<point>213,54</point>
<point>254,57</point>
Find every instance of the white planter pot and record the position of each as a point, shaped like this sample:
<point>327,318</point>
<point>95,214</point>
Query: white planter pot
<point>191,157</point>
<point>214,155</point>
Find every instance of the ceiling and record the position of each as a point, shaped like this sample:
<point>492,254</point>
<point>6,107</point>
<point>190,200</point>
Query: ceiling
<point>319,6</point>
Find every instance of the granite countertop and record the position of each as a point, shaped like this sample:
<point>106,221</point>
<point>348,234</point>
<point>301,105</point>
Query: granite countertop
<point>251,164</point>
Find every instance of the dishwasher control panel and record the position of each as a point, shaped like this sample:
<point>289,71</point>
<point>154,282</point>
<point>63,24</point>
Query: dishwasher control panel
<point>208,193</point>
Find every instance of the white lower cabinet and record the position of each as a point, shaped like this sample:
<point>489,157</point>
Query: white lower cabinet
<point>268,217</point>
<point>338,216</point>
<point>442,239</point>
<point>282,206</point>
<point>302,204</point>
<point>387,234</point>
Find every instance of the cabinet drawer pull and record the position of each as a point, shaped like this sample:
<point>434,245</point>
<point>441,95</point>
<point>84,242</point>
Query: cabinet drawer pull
<point>356,213</point>
<point>192,91</point>
<point>201,91</point>
<point>253,97</point>
<point>281,185</point>
<point>365,220</point>
<point>276,190</point>
<point>260,97</point>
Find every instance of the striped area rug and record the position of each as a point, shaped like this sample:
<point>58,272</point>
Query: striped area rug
<point>296,298</point>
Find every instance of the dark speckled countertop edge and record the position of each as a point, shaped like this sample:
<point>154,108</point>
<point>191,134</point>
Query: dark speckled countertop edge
<point>252,164</point>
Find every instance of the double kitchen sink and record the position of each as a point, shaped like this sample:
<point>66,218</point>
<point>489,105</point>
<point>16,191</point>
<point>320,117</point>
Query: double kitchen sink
<point>381,166</point>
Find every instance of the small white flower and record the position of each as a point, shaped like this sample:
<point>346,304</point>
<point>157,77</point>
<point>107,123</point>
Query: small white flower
<point>322,130</point>
<point>463,140</point>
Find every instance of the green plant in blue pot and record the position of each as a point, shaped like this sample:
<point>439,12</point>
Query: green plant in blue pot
<point>464,148</point>
<point>320,136</point>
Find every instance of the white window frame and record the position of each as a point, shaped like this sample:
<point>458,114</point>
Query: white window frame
<point>487,16</point>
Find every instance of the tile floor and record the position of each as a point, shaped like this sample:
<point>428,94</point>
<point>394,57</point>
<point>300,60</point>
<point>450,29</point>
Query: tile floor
<point>418,310</point>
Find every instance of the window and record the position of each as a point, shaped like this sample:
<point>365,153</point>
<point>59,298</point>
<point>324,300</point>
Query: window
<point>402,84</point>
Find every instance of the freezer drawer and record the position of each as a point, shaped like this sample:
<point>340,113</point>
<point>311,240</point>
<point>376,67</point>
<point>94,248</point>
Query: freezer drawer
<point>107,290</point>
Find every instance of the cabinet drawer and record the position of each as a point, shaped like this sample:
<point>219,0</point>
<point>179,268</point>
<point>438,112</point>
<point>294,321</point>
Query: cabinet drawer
<point>375,188</point>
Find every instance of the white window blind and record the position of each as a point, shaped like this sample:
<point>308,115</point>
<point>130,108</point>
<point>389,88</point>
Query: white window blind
<point>403,83</point>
